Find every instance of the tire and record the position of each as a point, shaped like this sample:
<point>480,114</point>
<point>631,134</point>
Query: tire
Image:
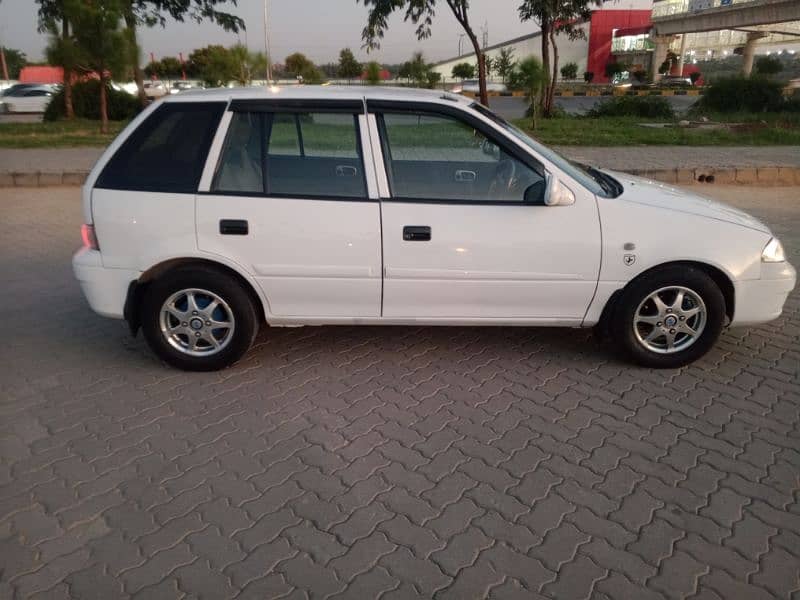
<point>642,327</point>
<point>186,338</point>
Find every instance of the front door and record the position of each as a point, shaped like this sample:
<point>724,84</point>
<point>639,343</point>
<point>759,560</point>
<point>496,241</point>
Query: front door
<point>289,204</point>
<point>460,240</point>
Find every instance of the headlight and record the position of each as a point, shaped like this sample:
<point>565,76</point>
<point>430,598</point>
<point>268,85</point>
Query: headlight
<point>773,252</point>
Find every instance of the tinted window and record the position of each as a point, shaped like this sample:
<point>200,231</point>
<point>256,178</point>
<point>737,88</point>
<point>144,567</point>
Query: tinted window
<point>307,155</point>
<point>437,157</point>
<point>167,152</point>
<point>36,93</point>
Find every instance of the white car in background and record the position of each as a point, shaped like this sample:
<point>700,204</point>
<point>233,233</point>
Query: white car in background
<point>473,86</point>
<point>27,99</point>
<point>217,212</point>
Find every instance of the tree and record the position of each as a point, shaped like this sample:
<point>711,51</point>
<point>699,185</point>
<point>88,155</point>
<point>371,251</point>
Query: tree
<point>529,76</point>
<point>505,62</point>
<point>768,65</point>
<point>588,76</point>
<point>421,13</point>
<point>491,65</point>
<point>300,66</point>
<point>247,63</point>
<point>417,72</point>
<point>61,48</point>
<point>15,60</point>
<point>615,68</point>
<point>215,65</point>
<point>101,43</point>
<point>432,79</point>
<point>349,67</point>
<point>555,17</point>
<point>171,68</point>
<point>464,70</point>
<point>569,71</point>
<point>373,74</point>
<point>666,66</point>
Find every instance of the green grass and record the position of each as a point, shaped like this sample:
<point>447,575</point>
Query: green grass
<point>57,134</point>
<point>757,130</point>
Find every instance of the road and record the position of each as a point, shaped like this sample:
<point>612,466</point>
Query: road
<point>403,461</point>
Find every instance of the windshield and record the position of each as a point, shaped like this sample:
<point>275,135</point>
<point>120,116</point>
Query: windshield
<point>589,178</point>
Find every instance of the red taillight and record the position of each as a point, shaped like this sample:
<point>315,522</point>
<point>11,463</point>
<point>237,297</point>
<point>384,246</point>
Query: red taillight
<point>89,238</point>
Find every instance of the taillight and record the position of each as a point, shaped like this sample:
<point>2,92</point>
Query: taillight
<point>88,236</point>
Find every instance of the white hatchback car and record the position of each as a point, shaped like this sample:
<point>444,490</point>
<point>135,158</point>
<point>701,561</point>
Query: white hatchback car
<point>215,212</point>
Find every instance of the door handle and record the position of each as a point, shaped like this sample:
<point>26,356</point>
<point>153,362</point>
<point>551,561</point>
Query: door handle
<point>463,176</point>
<point>233,227</point>
<point>346,171</point>
<point>417,233</point>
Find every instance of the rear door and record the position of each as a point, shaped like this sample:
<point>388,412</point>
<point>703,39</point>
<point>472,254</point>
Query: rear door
<point>290,203</point>
<point>462,239</point>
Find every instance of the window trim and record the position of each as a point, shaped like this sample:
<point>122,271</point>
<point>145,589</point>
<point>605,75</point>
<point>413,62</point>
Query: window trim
<point>380,107</point>
<point>270,108</point>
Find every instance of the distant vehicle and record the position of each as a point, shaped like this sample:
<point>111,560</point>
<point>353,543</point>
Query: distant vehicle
<point>15,89</point>
<point>33,99</point>
<point>154,89</point>
<point>218,212</point>
<point>182,86</point>
<point>473,86</point>
<point>678,81</point>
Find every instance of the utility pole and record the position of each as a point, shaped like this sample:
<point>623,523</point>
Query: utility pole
<point>266,44</point>
<point>460,39</point>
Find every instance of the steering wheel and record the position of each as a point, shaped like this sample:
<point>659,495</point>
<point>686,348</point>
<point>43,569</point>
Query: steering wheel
<point>505,177</point>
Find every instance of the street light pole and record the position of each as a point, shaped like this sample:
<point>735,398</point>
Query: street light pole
<point>266,44</point>
<point>460,39</point>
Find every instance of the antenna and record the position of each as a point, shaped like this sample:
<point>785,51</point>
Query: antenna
<point>266,45</point>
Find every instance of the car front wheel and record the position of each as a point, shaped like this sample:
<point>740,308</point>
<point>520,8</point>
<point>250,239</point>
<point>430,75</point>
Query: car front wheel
<point>669,317</point>
<point>198,319</point>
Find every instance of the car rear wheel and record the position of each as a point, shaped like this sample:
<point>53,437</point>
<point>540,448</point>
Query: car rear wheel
<point>669,317</point>
<point>198,319</point>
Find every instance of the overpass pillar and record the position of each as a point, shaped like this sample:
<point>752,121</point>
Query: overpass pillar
<point>749,51</point>
<point>682,55</point>
<point>660,47</point>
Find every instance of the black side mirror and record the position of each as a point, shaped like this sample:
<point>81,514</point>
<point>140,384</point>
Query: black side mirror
<point>535,193</point>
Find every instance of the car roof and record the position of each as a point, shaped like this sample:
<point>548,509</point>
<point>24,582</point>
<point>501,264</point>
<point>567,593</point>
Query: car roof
<point>320,92</point>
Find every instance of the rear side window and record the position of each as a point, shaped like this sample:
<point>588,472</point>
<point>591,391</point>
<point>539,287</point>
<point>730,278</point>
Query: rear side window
<point>167,152</point>
<point>292,154</point>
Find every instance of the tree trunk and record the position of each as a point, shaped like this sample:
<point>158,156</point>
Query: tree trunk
<point>138,75</point>
<point>69,109</point>
<point>546,66</point>
<point>103,103</point>
<point>552,87</point>
<point>484,96</point>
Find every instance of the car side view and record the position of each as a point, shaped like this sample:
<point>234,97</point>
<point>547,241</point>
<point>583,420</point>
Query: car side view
<point>218,212</point>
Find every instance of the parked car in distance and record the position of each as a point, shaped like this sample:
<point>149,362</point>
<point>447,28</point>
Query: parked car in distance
<point>473,86</point>
<point>29,99</point>
<point>14,89</point>
<point>676,81</point>
<point>182,86</point>
<point>217,212</point>
<point>154,89</point>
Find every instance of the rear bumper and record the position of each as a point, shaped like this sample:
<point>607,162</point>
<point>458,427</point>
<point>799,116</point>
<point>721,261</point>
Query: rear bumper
<point>104,289</point>
<point>762,300</point>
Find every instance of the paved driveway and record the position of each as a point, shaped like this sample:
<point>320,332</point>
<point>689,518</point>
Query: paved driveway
<point>385,462</point>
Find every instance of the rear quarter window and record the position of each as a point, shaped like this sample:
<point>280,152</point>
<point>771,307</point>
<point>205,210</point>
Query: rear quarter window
<point>167,152</point>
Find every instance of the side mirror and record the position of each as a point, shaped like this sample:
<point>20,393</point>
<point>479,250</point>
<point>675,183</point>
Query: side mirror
<point>556,193</point>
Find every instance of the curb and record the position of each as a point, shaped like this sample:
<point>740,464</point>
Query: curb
<point>763,176</point>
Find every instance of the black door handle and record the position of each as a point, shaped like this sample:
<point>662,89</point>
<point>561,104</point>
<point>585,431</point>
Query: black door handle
<point>233,227</point>
<point>417,233</point>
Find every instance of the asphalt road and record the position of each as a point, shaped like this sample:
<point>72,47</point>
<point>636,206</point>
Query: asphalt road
<point>395,462</point>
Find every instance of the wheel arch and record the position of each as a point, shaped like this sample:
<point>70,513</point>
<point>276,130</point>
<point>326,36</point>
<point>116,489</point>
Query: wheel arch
<point>138,288</point>
<point>722,279</point>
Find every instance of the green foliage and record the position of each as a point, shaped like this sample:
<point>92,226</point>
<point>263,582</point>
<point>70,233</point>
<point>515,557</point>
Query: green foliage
<point>743,94</point>
<point>694,76</point>
<point>432,79</point>
<point>491,65</point>
<point>349,67</point>
<point>214,65</point>
<point>588,76</point>
<point>373,73</point>
<point>464,70</point>
<point>505,63</point>
<point>86,102</point>
<point>168,67</point>
<point>418,72</point>
<point>768,65</point>
<point>529,76</point>
<point>15,60</point>
<point>299,65</point>
<point>666,66</point>
<point>649,107</point>
<point>614,68</point>
<point>569,71</point>
<point>249,65</point>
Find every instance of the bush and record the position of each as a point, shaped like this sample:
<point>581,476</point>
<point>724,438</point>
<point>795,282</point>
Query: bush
<point>122,106</point>
<point>743,94</point>
<point>614,68</point>
<point>651,107</point>
<point>569,71</point>
<point>588,76</point>
<point>768,65</point>
<point>694,76</point>
<point>639,75</point>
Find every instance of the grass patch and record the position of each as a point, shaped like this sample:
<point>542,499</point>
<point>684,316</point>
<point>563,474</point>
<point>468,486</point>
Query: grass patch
<point>781,129</point>
<point>57,134</point>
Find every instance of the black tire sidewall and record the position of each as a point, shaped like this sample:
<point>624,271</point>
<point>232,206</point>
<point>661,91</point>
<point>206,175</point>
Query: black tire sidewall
<point>221,284</point>
<point>685,276</point>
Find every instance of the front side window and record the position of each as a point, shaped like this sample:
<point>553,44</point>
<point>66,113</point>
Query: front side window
<point>434,157</point>
<point>167,152</point>
<point>300,154</point>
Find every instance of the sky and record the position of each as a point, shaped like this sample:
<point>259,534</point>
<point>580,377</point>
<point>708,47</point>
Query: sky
<point>318,28</point>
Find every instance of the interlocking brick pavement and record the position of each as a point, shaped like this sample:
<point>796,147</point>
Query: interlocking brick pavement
<point>397,462</point>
